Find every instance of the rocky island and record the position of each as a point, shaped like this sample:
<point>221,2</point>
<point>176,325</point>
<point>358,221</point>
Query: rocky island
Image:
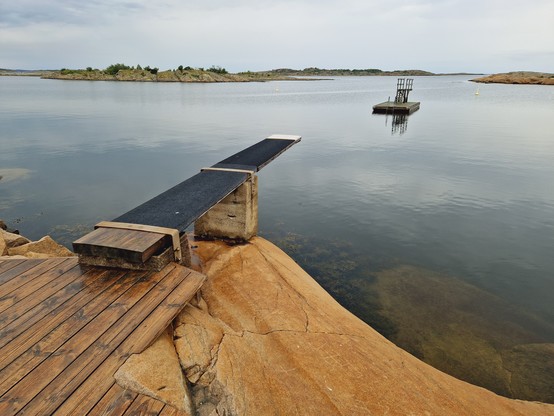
<point>121,72</point>
<point>520,77</point>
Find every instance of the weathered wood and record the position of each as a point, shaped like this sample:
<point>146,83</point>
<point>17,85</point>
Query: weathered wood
<point>56,328</point>
<point>82,356</point>
<point>5,265</point>
<point>155,263</point>
<point>171,411</point>
<point>56,357</point>
<point>28,310</point>
<point>112,243</point>
<point>391,107</point>
<point>42,278</point>
<point>148,330</point>
<point>114,403</point>
<point>144,406</point>
<point>16,271</point>
<point>51,354</point>
<point>65,360</point>
<point>53,310</point>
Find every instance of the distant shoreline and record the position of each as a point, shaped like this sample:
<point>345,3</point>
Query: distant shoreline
<point>521,77</point>
<point>199,75</point>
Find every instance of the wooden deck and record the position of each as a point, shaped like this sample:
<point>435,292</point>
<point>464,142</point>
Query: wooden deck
<point>65,330</point>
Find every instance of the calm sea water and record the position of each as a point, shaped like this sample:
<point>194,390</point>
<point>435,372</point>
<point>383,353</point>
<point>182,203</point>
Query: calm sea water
<point>464,186</point>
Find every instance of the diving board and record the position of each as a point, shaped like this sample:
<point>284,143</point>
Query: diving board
<point>221,201</point>
<point>181,205</point>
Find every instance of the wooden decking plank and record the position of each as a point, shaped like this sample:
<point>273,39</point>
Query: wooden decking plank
<point>87,362</point>
<point>144,406</point>
<point>57,327</point>
<point>48,344</point>
<point>55,308</point>
<point>114,403</point>
<point>49,276</point>
<point>132,245</point>
<point>83,399</point>
<point>22,267</point>
<point>6,265</point>
<point>28,276</point>
<point>49,383</point>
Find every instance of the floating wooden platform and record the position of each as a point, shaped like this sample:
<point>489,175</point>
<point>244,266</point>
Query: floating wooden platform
<point>65,330</point>
<point>391,107</point>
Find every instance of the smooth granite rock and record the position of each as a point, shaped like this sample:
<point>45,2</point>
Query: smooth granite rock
<point>43,248</point>
<point>267,339</point>
<point>3,246</point>
<point>13,240</point>
<point>156,373</point>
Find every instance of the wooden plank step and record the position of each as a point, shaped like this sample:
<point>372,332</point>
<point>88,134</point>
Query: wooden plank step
<point>131,245</point>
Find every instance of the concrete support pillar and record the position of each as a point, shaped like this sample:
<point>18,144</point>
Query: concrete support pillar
<point>235,217</point>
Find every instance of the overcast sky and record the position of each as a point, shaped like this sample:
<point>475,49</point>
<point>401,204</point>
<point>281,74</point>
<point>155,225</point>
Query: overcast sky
<point>435,35</point>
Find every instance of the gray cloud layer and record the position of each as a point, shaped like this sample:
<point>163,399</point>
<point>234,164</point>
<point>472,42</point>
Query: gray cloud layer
<point>441,36</point>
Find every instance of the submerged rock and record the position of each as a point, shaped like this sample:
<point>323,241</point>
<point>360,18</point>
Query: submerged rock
<point>267,339</point>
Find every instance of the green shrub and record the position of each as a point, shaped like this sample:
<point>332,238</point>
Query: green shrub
<point>115,68</point>
<point>218,70</point>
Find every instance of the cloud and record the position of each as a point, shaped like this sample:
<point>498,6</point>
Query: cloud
<point>445,35</point>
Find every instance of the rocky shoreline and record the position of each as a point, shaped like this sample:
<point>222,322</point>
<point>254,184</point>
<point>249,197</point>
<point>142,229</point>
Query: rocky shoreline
<point>15,246</point>
<point>185,76</point>
<point>521,77</point>
<point>265,338</point>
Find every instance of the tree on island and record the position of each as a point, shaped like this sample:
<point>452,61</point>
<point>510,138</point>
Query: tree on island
<point>153,71</point>
<point>218,70</point>
<point>115,68</point>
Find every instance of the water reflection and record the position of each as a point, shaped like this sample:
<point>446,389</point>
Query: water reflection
<point>399,124</point>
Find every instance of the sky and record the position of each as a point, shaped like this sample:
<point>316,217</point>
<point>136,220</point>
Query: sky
<point>442,36</point>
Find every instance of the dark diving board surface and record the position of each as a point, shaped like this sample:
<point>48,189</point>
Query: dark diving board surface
<point>183,204</point>
<point>260,154</point>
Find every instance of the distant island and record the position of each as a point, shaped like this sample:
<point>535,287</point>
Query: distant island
<point>346,72</point>
<point>122,72</point>
<point>520,77</point>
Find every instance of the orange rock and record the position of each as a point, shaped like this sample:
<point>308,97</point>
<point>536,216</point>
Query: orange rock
<point>43,248</point>
<point>156,373</point>
<point>270,340</point>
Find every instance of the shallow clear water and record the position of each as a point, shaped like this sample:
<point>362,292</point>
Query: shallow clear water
<point>463,186</point>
